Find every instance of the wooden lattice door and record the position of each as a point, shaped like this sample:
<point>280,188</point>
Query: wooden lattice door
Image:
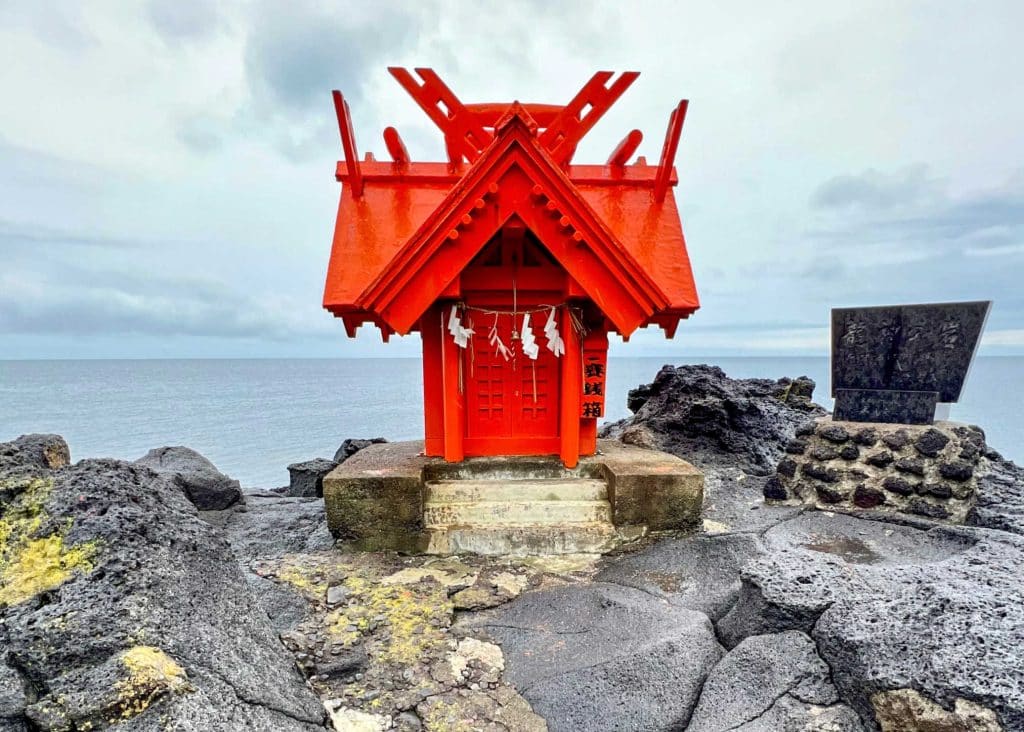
<point>511,404</point>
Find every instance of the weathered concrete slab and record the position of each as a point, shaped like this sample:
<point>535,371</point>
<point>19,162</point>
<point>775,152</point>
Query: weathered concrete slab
<point>390,496</point>
<point>649,487</point>
<point>374,500</point>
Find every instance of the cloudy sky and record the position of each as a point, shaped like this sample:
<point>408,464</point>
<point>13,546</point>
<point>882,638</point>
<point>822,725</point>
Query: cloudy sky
<point>166,167</point>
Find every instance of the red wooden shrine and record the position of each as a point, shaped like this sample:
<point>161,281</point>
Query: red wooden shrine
<point>512,262</point>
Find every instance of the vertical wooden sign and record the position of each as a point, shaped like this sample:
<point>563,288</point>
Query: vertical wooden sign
<point>595,368</point>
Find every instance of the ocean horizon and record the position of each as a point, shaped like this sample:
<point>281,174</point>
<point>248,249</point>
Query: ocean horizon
<point>253,417</point>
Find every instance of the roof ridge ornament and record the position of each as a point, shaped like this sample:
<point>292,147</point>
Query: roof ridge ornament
<point>517,111</point>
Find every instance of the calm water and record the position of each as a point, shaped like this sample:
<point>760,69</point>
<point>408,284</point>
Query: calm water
<point>254,417</point>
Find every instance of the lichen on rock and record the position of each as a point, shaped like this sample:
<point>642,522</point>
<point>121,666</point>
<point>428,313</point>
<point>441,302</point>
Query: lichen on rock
<point>908,709</point>
<point>151,673</point>
<point>31,563</point>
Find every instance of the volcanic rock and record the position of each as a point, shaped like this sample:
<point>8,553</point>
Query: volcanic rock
<point>204,485</point>
<point>353,445</point>
<point>119,604</point>
<point>694,411</point>
<point>306,479</point>
<point>606,656</point>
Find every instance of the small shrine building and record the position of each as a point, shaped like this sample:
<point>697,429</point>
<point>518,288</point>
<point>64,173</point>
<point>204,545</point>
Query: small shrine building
<point>511,261</point>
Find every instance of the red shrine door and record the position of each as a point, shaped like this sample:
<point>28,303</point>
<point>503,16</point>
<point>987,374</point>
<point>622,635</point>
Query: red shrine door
<point>512,403</point>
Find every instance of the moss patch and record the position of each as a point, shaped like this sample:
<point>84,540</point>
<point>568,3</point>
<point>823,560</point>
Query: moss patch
<point>30,563</point>
<point>151,673</point>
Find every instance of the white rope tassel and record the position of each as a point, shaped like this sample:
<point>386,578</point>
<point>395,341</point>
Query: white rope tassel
<point>495,340</point>
<point>555,343</point>
<point>460,334</point>
<point>530,347</point>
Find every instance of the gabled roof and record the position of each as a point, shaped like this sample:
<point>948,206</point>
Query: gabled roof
<point>406,232</point>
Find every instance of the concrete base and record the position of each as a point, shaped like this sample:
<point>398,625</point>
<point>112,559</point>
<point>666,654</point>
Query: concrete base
<point>390,497</point>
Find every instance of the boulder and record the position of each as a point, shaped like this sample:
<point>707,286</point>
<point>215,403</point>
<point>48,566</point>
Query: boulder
<point>306,480</point>
<point>120,605</point>
<point>35,451</point>
<point>601,656</point>
<point>204,485</point>
<point>892,607</point>
<point>700,414</point>
<point>950,628</point>
<point>353,445</point>
<point>772,682</point>
<point>807,563</point>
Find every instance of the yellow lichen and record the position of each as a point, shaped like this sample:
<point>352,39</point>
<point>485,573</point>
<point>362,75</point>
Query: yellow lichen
<point>151,673</point>
<point>303,579</point>
<point>31,564</point>
<point>445,717</point>
<point>38,565</point>
<point>415,617</point>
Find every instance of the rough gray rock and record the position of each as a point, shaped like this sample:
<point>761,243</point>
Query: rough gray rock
<point>949,629</point>
<point>601,655</point>
<point>204,485</point>
<point>700,573</point>
<point>892,606</point>
<point>270,525</point>
<point>1000,496</point>
<point>700,414</point>
<point>34,451</point>
<point>12,699</point>
<point>353,445</point>
<point>159,581</point>
<point>810,561</point>
<point>770,682</point>
<point>306,479</point>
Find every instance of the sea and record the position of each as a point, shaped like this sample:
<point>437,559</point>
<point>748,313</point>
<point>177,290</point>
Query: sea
<point>254,417</point>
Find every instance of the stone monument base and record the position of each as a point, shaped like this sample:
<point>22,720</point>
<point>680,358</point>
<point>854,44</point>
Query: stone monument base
<point>390,497</point>
<point>920,470</point>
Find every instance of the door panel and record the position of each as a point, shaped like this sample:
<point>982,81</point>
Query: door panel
<point>511,405</point>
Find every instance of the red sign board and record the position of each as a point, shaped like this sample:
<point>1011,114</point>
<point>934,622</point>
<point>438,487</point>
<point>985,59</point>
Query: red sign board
<point>595,368</point>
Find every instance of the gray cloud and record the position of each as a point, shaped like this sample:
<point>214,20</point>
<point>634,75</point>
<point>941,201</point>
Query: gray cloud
<point>184,20</point>
<point>117,303</point>
<point>296,53</point>
<point>14,234</point>
<point>912,208</point>
<point>875,190</point>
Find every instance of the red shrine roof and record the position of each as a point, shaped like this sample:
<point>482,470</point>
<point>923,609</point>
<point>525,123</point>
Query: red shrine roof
<point>406,230</point>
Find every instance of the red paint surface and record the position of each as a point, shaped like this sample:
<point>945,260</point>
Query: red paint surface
<point>509,222</point>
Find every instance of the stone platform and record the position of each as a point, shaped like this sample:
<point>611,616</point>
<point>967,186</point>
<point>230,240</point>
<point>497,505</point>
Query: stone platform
<point>391,497</point>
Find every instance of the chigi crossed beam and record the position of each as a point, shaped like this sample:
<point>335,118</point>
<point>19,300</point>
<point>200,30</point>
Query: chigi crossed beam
<point>469,128</point>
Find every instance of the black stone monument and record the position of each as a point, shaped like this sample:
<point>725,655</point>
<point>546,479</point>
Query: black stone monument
<point>897,363</point>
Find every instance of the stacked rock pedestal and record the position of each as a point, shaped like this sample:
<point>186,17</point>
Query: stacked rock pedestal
<point>921,470</point>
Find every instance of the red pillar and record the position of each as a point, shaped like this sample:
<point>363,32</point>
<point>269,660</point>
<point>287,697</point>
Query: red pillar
<point>572,388</point>
<point>433,382</point>
<point>454,411</point>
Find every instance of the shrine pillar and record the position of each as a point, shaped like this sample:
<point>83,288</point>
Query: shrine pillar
<point>454,411</point>
<point>572,389</point>
<point>432,333</point>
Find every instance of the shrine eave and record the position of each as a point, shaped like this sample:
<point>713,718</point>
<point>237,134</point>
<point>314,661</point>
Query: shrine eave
<point>638,175</point>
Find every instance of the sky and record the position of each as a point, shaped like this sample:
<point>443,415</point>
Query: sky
<point>167,167</point>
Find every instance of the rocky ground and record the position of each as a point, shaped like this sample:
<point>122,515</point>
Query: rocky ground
<point>122,604</point>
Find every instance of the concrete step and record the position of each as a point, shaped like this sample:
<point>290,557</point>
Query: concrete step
<point>565,489</point>
<point>526,513</point>
<point>581,538</point>
<point>507,468</point>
